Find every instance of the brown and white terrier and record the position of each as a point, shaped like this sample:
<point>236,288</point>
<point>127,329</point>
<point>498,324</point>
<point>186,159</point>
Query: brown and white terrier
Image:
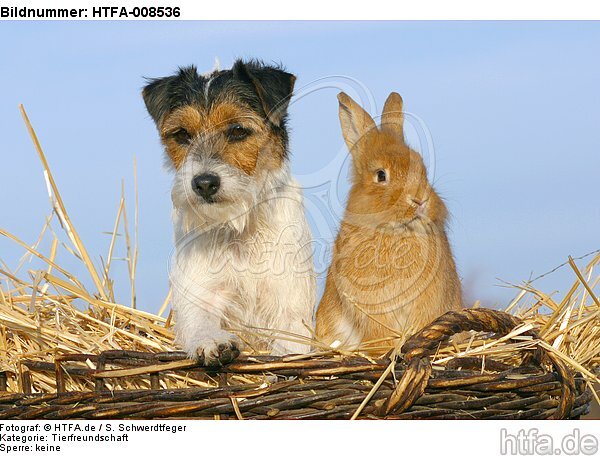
<point>243,256</point>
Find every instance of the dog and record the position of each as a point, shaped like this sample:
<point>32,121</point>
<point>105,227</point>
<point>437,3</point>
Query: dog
<point>242,270</point>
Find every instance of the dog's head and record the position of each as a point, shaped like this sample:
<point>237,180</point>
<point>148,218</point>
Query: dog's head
<point>224,134</point>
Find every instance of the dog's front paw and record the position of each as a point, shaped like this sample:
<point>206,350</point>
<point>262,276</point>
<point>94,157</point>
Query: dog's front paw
<point>218,349</point>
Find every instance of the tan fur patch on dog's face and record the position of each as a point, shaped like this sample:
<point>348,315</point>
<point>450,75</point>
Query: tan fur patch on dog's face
<point>209,131</point>
<point>187,118</point>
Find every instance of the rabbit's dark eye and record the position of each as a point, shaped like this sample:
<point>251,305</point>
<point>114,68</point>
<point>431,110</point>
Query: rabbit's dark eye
<point>182,136</point>
<point>380,175</point>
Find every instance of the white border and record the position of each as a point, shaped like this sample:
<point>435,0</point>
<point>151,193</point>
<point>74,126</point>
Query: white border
<point>352,9</point>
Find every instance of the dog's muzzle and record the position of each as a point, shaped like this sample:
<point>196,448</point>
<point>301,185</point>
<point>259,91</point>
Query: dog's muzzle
<point>206,186</point>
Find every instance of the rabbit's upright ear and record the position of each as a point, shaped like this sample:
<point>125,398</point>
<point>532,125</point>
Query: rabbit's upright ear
<point>392,119</point>
<point>355,120</point>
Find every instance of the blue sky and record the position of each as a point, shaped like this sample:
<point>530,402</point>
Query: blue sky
<point>513,109</point>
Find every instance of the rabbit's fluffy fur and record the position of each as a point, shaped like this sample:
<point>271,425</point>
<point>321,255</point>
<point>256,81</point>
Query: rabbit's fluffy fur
<point>392,271</point>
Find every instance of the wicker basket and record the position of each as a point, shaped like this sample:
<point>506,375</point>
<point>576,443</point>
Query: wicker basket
<point>314,387</point>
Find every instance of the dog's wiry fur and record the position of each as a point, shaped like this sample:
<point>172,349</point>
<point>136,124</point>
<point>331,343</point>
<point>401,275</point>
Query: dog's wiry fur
<point>243,257</point>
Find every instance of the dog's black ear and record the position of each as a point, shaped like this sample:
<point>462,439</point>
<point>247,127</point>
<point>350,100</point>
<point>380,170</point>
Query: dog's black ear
<point>273,86</point>
<point>162,95</point>
<point>156,96</point>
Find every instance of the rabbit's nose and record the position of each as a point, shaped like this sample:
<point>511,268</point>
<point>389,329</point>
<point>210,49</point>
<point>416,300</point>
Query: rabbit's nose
<point>421,206</point>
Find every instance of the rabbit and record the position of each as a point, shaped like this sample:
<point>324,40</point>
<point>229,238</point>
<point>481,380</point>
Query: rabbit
<point>392,270</point>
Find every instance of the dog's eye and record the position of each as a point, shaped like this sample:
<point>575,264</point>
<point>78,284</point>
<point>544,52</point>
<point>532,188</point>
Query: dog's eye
<point>181,136</point>
<point>380,175</point>
<point>236,132</point>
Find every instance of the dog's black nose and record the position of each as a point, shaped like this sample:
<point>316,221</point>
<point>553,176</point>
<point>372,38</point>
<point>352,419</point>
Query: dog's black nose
<point>206,185</point>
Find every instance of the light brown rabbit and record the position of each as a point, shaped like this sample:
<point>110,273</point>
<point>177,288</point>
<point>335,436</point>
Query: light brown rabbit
<point>392,271</point>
